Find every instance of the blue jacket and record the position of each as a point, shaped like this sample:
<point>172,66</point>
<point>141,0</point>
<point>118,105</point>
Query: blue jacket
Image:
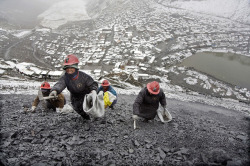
<point>110,89</point>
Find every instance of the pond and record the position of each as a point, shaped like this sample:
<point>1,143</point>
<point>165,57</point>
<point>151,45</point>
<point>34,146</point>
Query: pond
<point>228,67</point>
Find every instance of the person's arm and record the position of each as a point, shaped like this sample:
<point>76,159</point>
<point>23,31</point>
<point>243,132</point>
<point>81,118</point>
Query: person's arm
<point>59,86</point>
<point>111,89</point>
<point>138,102</point>
<point>36,102</point>
<point>91,84</point>
<point>163,99</point>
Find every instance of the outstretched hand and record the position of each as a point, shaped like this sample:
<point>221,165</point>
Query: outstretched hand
<point>135,117</point>
<point>33,108</point>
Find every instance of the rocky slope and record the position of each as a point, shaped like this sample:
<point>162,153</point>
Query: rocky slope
<point>198,135</point>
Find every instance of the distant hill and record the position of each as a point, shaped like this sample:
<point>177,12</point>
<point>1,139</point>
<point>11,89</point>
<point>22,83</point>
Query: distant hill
<point>53,14</point>
<point>238,10</point>
<point>64,11</point>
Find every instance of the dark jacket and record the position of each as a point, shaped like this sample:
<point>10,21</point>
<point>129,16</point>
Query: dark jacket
<point>79,87</point>
<point>146,105</point>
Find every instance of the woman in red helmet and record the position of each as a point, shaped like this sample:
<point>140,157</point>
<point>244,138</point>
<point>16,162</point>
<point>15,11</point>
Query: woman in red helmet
<point>105,86</point>
<point>147,102</point>
<point>59,102</point>
<point>78,83</point>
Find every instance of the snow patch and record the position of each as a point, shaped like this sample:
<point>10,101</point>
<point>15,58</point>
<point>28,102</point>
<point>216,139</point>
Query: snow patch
<point>233,9</point>
<point>2,71</point>
<point>191,81</point>
<point>22,34</point>
<point>17,86</point>
<point>64,12</point>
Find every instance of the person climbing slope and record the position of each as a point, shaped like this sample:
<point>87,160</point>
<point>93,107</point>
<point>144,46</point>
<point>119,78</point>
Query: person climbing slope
<point>147,101</point>
<point>106,87</point>
<point>56,104</point>
<point>77,82</point>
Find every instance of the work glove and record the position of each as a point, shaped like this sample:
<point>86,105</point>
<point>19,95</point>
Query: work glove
<point>135,117</point>
<point>53,94</point>
<point>33,108</point>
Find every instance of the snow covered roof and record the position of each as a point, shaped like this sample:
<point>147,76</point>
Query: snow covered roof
<point>2,71</point>
<point>36,70</point>
<point>142,75</point>
<point>44,72</point>
<point>97,70</point>
<point>11,64</point>
<point>116,70</point>
<point>55,73</point>
<point>151,60</point>
<point>86,71</point>
<point>24,68</point>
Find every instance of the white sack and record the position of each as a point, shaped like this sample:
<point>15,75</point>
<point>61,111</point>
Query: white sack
<point>164,115</point>
<point>93,104</point>
<point>111,97</point>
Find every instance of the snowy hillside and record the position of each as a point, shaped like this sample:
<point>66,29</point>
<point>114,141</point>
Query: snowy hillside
<point>62,12</point>
<point>65,11</point>
<point>234,9</point>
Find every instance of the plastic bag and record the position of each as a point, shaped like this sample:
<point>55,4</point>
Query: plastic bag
<point>93,104</point>
<point>164,115</point>
<point>108,98</point>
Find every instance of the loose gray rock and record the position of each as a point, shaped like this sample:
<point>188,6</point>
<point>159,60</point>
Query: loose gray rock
<point>197,136</point>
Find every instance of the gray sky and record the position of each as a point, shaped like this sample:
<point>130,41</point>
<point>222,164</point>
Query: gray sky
<point>24,12</point>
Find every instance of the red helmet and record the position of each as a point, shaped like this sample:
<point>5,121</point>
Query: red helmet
<point>153,87</point>
<point>70,60</point>
<point>45,85</point>
<point>105,83</point>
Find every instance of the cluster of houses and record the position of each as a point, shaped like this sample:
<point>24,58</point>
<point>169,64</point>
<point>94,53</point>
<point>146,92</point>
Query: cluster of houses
<point>139,39</point>
<point>132,42</point>
<point>27,69</point>
<point>33,71</point>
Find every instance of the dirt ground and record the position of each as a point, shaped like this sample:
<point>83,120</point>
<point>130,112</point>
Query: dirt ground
<point>198,135</point>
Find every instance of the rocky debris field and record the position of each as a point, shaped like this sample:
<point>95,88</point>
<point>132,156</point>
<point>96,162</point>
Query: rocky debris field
<point>198,135</point>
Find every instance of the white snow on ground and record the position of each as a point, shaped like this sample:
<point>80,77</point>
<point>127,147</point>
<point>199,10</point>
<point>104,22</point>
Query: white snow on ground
<point>10,65</point>
<point>226,103</point>
<point>4,30</point>
<point>2,71</point>
<point>207,85</point>
<point>191,81</point>
<point>62,12</point>
<point>68,10</point>
<point>15,86</point>
<point>44,30</point>
<point>21,34</point>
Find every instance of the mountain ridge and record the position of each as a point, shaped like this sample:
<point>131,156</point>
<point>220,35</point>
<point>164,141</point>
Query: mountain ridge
<point>233,9</point>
